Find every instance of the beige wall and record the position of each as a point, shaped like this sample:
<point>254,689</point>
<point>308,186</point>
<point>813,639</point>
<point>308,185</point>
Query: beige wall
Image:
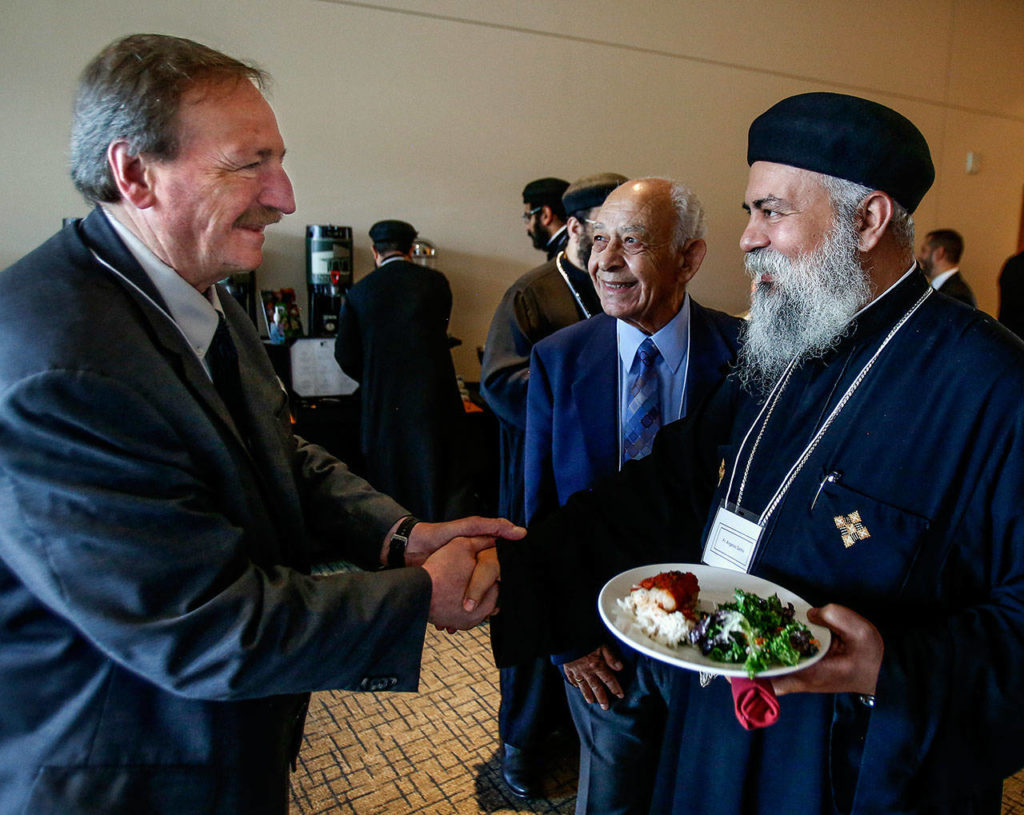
<point>438,111</point>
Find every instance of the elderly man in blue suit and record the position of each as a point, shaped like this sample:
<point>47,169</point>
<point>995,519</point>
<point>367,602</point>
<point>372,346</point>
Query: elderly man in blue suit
<point>599,391</point>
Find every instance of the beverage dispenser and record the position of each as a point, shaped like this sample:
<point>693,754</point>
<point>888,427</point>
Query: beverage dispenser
<point>328,275</point>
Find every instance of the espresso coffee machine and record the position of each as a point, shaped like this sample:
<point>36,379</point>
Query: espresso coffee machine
<point>328,275</point>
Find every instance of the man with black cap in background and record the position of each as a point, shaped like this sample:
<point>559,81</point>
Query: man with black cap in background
<point>544,214</point>
<point>393,340</point>
<point>550,297</point>
<point>811,467</point>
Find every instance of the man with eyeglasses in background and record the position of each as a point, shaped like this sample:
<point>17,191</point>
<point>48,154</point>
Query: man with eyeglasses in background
<point>544,214</point>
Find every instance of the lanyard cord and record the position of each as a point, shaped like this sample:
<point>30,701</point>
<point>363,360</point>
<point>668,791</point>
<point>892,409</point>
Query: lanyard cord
<point>772,401</point>
<point>769,405</point>
<point>790,477</point>
<point>565,277</point>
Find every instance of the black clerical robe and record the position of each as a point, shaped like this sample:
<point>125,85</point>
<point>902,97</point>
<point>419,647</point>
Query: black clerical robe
<point>929,452</point>
<point>393,340</point>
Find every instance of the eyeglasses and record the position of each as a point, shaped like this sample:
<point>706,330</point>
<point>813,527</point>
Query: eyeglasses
<point>527,215</point>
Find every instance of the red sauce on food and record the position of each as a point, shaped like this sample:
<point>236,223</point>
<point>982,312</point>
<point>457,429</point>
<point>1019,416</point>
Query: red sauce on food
<point>683,587</point>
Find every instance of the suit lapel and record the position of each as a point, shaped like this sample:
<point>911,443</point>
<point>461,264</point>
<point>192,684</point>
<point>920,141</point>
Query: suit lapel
<point>707,350</point>
<point>595,393</point>
<point>267,462</point>
<point>114,258</point>
<point>99,236</point>
<point>269,447</point>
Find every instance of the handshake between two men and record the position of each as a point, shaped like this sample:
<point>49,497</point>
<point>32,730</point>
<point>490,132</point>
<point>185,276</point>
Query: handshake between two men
<point>462,563</point>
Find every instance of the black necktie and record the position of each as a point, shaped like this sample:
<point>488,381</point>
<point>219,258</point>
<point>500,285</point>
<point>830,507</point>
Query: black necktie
<point>222,357</point>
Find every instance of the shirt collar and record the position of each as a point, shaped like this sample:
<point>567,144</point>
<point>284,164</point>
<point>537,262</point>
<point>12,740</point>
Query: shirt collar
<point>671,338</point>
<point>939,279</point>
<point>904,276</point>
<point>195,313</point>
<point>879,316</point>
<point>554,238</point>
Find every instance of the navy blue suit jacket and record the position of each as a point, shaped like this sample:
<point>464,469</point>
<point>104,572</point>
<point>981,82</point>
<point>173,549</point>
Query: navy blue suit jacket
<point>572,402</point>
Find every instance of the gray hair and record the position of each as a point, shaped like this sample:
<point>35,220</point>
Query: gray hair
<point>132,90</point>
<point>847,196</point>
<point>689,212</point>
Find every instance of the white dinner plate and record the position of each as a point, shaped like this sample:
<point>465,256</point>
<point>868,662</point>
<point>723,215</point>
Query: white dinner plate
<point>716,586</point>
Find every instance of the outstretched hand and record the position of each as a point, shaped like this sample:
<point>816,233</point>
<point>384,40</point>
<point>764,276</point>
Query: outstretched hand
<point>451,568</point>
<point>852,662</point>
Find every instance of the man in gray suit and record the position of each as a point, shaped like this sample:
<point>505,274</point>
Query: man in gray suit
<point>159,627</point>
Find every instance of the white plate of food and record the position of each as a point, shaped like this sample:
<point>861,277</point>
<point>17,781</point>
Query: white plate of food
<point>633,606</point>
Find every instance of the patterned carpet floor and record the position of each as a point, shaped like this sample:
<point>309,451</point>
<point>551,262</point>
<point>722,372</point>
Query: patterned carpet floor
<point>436,751</point>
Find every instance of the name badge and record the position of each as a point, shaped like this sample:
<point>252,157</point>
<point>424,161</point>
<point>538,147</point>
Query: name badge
<point>732,541</point>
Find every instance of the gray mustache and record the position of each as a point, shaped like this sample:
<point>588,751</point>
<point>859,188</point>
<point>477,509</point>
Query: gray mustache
<point>260,216</point>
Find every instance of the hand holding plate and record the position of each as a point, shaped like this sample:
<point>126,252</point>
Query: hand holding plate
<point>852,662</point>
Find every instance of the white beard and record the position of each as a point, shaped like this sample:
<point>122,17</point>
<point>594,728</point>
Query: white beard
<point>806,309</point>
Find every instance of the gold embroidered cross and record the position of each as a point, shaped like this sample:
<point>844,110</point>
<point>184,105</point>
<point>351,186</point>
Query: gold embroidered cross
<point>852,528</point>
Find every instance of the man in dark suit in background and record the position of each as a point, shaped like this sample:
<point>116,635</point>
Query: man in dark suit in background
<point>393,340</point>
<point>587,383</point>
<point>544,214</point>
<point>939,258</point>
<point>552,296</point>
<point>159,628</point>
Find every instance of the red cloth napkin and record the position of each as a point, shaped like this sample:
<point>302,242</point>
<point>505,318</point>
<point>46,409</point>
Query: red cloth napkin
<point>755,702</point>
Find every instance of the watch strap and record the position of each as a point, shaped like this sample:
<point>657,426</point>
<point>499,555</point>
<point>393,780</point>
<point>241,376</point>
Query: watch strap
<point>399,540</point>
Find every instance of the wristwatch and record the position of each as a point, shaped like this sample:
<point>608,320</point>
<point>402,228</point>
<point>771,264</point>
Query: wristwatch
<point>398,542</point>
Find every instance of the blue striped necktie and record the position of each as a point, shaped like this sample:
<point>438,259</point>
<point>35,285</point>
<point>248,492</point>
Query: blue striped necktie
<point>643,412</point>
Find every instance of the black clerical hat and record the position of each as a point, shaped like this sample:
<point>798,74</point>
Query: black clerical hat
<point>846,137</point>
<point>589,192</point>
<point>544,191</point>
<point>392,232</point>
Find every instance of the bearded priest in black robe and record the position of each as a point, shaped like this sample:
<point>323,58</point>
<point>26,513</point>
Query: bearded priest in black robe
<point>873,437</point>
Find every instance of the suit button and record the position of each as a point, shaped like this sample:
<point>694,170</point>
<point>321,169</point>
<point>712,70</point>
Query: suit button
<point>375,684</point>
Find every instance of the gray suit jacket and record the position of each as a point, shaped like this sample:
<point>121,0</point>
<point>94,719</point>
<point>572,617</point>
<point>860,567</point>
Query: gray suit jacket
<point>159,629</point>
